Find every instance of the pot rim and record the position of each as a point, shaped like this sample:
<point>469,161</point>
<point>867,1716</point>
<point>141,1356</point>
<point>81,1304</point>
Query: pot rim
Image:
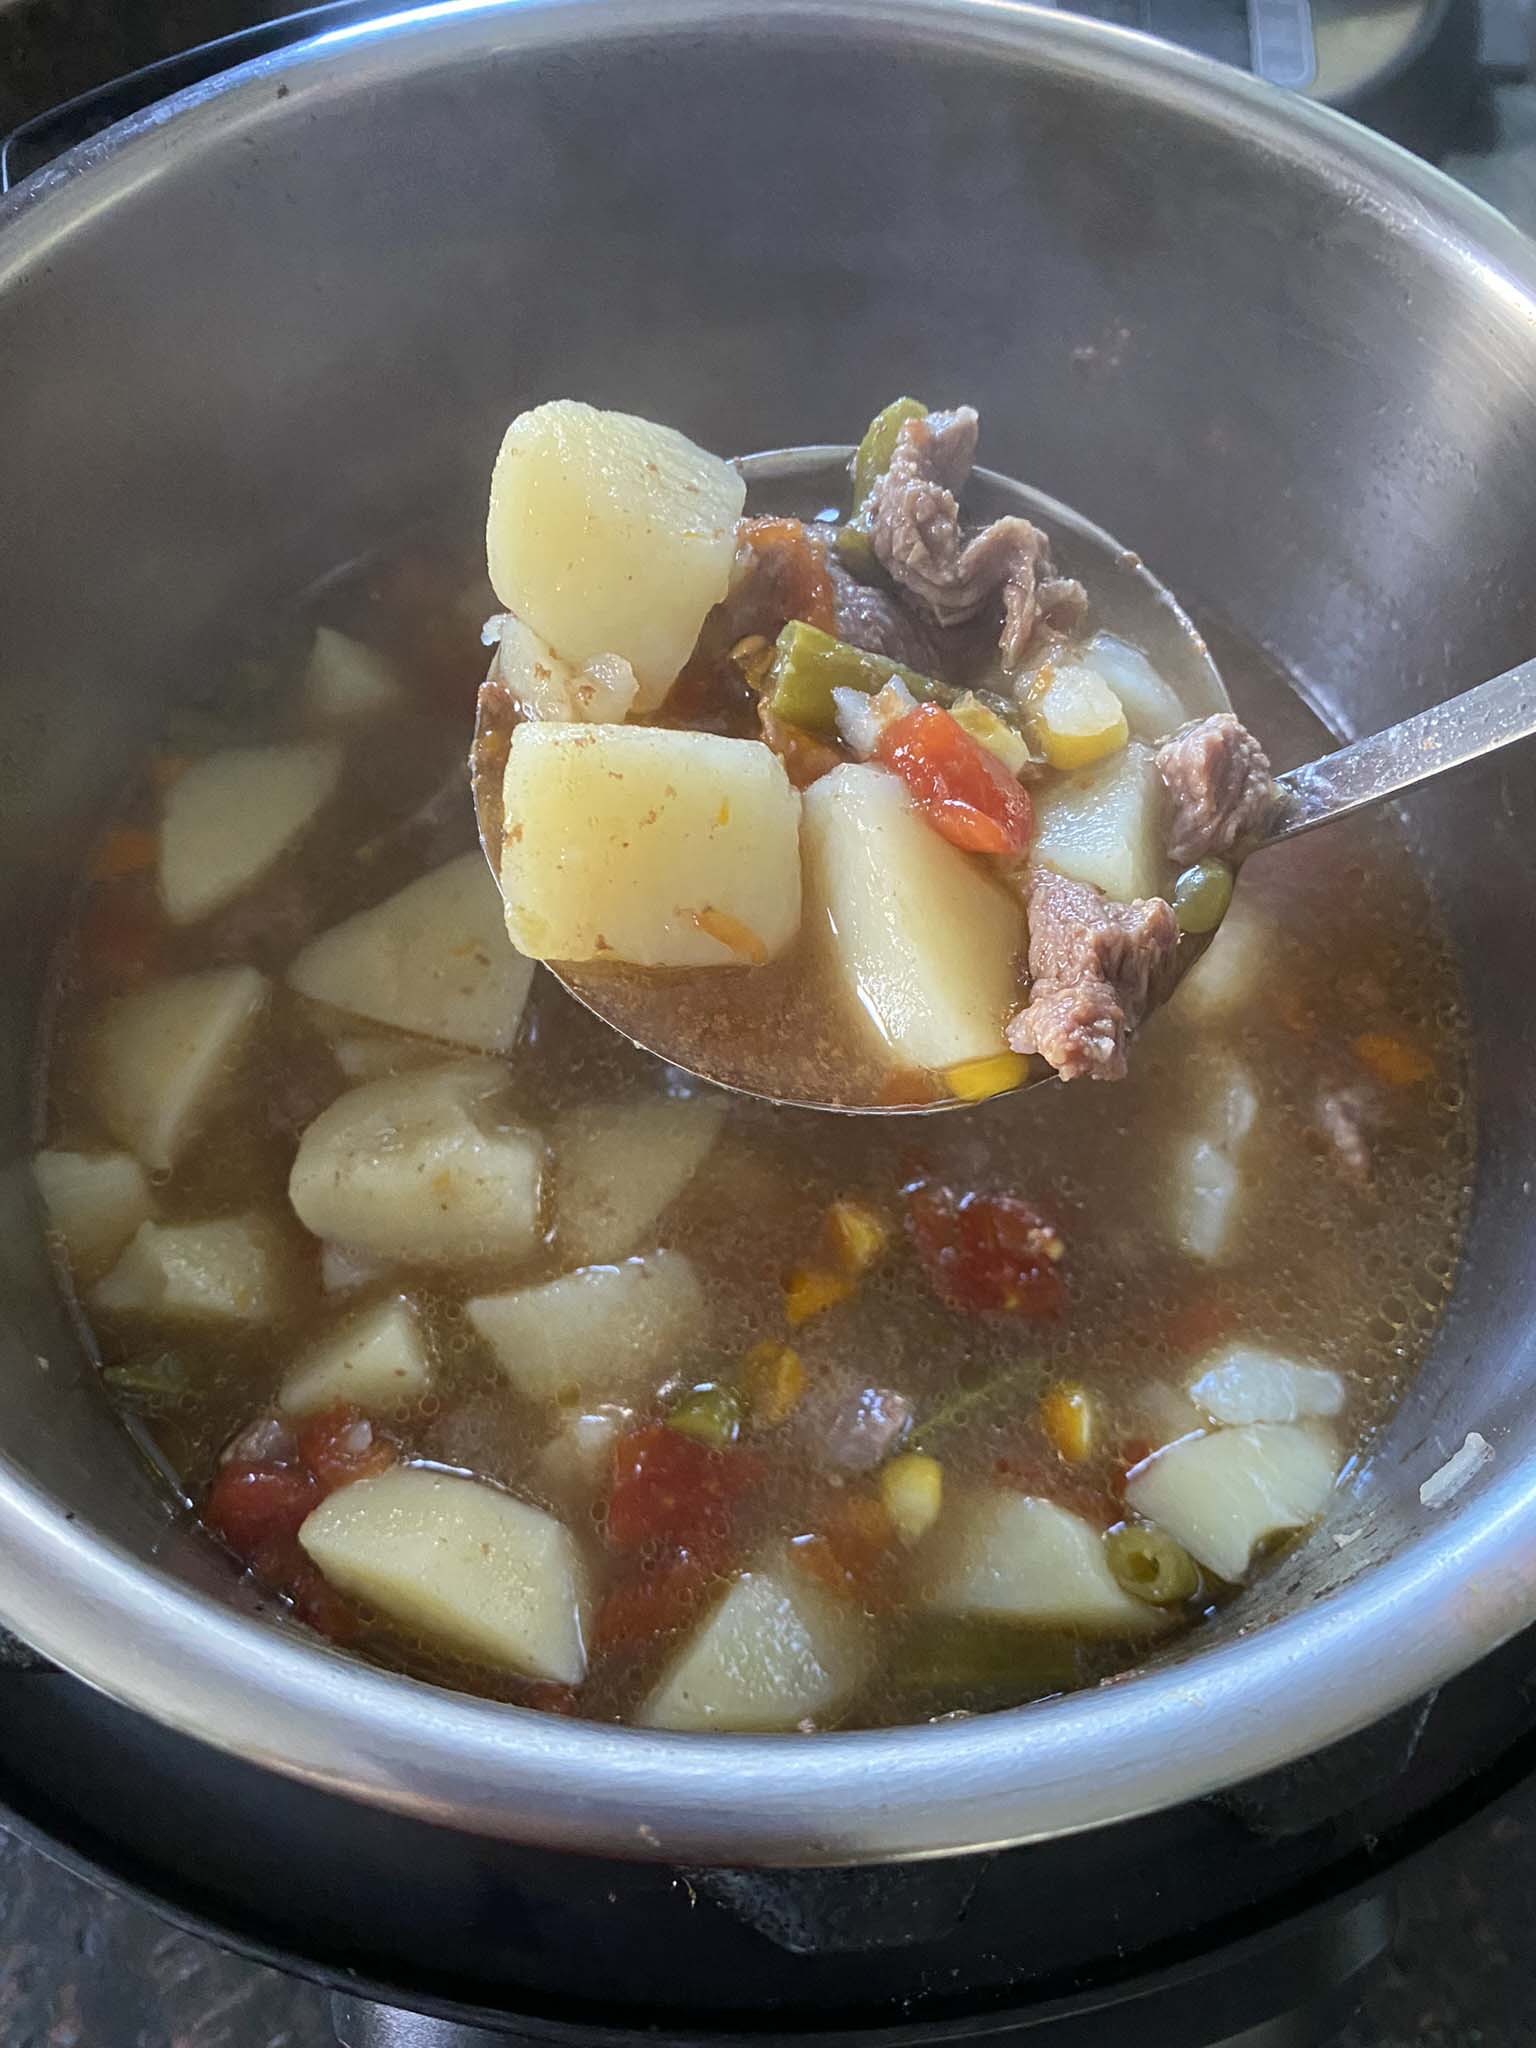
<point>1158,1737</point>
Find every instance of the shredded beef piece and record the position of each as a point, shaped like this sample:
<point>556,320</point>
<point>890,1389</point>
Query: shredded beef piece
<point>1098,967</point>
<point>1218,776</point>
<point>917,536</point>
<point>881,624</point>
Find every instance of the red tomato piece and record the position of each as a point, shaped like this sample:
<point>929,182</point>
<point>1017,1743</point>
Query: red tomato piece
<point>340,1445</point>
<point>121,940</point>
<point>671,1489</point>
<point>987,1252</point>
<point>320,1604</point>
<point>257,1507</point>
<point>654,1604</point>
<point>852,1553</point>
<point>965,793</point>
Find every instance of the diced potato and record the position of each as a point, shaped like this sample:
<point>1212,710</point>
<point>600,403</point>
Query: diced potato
<point>1229,976</point>
<point>230,1270</point>
<point>1151,705</point>
<point>1224,1493</point>
<point>158,1057</point>
<point>601,1333</point>
<point>378,1055</point>
<point>95,1201</point>
<point>620,1165</point>
<point>578,1458</point>
<point>463,1564</point>
<point>433,960</point>
<point>227,818</point>
<point>1206,1195</point>
<point>425,1167</point>
<point>377,1362</point>
<point>1014,1557</point>
<point>611,535</point>
<point>1245,1384</point>
<point>1104,826</point>
<point>661,848</point>
<point>1075,718</point>
<point>775,1652</point>
<point>926,943</point>
<point>343,1270</point>
<point>346,681</point>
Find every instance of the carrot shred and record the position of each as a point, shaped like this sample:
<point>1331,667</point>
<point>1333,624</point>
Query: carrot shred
<point>1393,1060</point>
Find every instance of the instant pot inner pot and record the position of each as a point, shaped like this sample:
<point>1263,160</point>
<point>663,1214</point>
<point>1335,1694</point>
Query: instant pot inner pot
<point>288,323</point>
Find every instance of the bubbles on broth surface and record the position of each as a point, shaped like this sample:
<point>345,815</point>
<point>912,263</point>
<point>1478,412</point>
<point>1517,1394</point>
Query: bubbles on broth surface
<point>1340,1252</point>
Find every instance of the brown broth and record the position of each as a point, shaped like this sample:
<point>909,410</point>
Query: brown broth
<point>1344,1271</point>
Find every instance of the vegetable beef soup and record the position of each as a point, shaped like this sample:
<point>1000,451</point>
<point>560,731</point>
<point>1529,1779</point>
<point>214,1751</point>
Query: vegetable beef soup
<point>517,1361</point>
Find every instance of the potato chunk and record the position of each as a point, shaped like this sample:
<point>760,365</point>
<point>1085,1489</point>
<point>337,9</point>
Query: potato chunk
<point>157,1058</point>
<point>433,960</point>
<point>1104,826</point>
<point>1224,1493</point>
<point>95,1201</point>
<point>610,535</point>
<point>601,1333</point>
<point>425,1167</point>
<point>1014,1557</point>
<point>1151,705</point>
<point>376,1361</point>
<point>346,681</point>
<point>463,1564</point>
<point>923,939</point>
<point>230,1270</point>
<point>620,1165</point>
<point>664,849</point>
<point>775,1652</point>
<point>1246,1384</point>
<point>227,818</point>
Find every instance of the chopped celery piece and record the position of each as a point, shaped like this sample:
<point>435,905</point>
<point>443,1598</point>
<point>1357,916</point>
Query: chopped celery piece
<point>808,665</point>
<point>153,1384</point>
<point>1201,895</point>
<point>872,458</point>
<point>711,1414</point>
<point>1150,1564</point>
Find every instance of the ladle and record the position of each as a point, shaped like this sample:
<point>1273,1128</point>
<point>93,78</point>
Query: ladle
<point>710,1022</point>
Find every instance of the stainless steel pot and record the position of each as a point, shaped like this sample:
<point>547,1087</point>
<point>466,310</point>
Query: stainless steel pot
<point>249,333</point>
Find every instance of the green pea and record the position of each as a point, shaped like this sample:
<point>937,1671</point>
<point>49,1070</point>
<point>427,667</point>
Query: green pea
<point>711,1414</point>
<point>1150,1564</point>
<point>873,456</point>
<point>1201,895</point>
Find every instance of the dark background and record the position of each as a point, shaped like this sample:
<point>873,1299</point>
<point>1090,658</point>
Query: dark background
<point>82,1969</point>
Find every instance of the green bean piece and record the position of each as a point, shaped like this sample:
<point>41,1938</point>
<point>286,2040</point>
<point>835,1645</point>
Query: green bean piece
<point>808,665</point>
<point>1150,1564</point>
<point>153,1384</point>
<point>1201,895</point>
<point>946,1661</point>
<point>872,458</point>
<point>856,549</point>
<point>711,1414</point>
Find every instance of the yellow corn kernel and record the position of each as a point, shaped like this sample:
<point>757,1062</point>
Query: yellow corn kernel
<point>856,1236</point>
<point>1075,718</point>
<point>1000,739</point>
<point>975,1080</point>
<point>1393,1060</point>
<point>1066,1414</point>
<point>912,1491</point>
<point>773,1381</point>
<point>810,1289</point>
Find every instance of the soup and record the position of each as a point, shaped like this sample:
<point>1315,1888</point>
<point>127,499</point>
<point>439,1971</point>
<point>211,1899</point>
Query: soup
<point>519,1362</point>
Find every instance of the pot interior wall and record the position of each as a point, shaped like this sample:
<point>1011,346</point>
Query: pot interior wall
<point>275,331</point>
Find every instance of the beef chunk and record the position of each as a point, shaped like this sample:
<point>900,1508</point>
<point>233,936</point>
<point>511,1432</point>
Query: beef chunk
<point>918,539</point>
<point>881,624</point>
<point>1098,968</point>
<point>1218,776</point>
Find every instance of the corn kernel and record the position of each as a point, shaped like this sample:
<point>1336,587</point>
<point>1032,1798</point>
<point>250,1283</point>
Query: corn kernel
<point>810,1289</point>
<point>1075,718</point>
<point>855,1235</point>
<point>1066,1414</point>
<point>1393,1060</point>
<point>773,1380</point>
<point>912,1490</point>
<point>975,1080</point>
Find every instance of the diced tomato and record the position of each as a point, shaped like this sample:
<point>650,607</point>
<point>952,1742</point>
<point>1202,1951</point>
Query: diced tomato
<point>121,941</point>
<point>801,581</point>
<point>1198,1324</point>
<point>654,1603</point>
<point>341,1445</point>
<point>853,1552</point>
<point>987,1252</point>
<point>318,1603</point>
<point>668,1488</point>
<point>964,792</point>
<point>256,1506</point>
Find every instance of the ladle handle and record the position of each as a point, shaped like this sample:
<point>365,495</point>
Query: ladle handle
<point>1465,728</point>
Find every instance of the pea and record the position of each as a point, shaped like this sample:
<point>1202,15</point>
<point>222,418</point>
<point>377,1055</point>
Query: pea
<point>711,1414</point>
<point>1201,895</point>
<point>1150,1564</point>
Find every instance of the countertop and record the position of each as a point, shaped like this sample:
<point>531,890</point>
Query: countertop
<point>80,1968</point>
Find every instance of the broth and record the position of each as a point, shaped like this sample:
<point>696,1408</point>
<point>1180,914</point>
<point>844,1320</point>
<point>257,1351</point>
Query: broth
<point>1320,1051</point>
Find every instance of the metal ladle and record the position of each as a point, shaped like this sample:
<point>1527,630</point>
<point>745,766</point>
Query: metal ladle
<point>709,1021</point>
